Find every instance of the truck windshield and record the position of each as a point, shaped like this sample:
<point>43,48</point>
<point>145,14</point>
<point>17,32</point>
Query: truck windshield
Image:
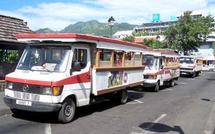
<point>44,58</point>
<point>150,62</point>
<point>187,60</point>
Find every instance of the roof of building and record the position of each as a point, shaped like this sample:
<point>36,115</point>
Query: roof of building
<point>166,51</point>
<point>128,32</point>
<point>79,37</point>
<point>10,26</point>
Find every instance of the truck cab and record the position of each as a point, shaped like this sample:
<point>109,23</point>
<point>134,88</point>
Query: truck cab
<point>190,65</point>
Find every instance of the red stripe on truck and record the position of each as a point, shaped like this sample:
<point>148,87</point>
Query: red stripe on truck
<point>31,82</point>
<point>81,78</point>
<point>159,72</point>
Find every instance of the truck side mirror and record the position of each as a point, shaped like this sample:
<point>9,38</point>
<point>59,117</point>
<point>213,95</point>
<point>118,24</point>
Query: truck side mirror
<point>76,66</point>
<point>162,66</point>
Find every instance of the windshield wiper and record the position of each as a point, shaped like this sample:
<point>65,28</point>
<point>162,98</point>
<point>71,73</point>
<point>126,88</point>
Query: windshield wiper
<point>39,68</point>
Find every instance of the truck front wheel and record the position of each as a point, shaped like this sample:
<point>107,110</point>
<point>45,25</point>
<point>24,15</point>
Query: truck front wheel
<point>193,75</point>
<point>67,112</point>
<point>156,88</point>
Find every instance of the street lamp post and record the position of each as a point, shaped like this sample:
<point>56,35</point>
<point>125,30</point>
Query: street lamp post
<point>111,21</point>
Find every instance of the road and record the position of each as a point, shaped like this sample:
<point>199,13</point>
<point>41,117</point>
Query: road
<point>187,108</point>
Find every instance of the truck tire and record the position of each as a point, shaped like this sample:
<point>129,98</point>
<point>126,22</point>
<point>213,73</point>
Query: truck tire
<point>16,111</point>
<point>123,97</point>
<point>156,88</point>
<point>67,111</point>
<point>193,75</point>
<point>172,83</point>
<point>198,73</point>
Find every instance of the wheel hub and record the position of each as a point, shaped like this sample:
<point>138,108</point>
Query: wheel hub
<point>68,110</point>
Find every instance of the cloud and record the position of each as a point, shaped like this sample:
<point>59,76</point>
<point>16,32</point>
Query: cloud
<point>58,15</point>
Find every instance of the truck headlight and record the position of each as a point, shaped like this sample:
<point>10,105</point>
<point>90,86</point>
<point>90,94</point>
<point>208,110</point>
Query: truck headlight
<point>46,90</point>
<point>51,90</point>
<point>9,85</point>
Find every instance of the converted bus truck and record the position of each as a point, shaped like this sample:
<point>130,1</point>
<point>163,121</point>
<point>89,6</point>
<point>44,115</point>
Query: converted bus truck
<point>161,68</point>
<point>60,72</point>
<point>191,65</point>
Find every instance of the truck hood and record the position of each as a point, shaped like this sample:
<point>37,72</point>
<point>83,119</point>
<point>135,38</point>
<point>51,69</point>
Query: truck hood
<point>187,66</point>
<point>34,77</point>
<point>150,72</point>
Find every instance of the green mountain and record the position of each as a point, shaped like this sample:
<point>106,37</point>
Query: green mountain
<point>91,27</point>
<point>45,30</point>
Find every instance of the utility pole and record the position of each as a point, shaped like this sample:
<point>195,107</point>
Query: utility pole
<point>111,22</point>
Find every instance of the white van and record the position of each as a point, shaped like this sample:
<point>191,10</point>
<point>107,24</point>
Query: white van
<point>60,72</point>
<point>161,67</point>
<point>190,65</point>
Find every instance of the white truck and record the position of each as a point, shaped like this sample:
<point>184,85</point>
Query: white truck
<point>191,65</point>
<point>60,72</point>
<point>161,67</point>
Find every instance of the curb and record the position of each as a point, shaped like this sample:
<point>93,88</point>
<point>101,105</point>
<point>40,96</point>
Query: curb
<point>4,112</point>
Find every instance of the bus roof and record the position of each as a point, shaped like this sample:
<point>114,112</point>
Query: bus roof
<point>166,52</point>
<point>163,52</point>
<point>75,37</point>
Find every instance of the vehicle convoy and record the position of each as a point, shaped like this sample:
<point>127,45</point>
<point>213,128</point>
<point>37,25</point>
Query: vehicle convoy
<point>60,72</point>
<point>161,68</point>
<point>190,65</point>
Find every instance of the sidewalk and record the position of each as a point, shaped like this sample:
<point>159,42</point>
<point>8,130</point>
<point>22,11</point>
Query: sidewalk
<point>3,108</point>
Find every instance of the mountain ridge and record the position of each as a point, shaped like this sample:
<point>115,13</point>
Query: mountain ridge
<point>93,27</point>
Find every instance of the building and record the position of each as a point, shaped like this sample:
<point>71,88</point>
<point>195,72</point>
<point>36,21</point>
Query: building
<point>10,48</point>
<point>158,27</point>
<point>154,28</point>
<point>207,52</point>
<point>122,34</point>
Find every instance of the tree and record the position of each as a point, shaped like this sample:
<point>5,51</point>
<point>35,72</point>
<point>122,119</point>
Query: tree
<point>188,32</point>
<point>155,44</point>
<point>129,38</point>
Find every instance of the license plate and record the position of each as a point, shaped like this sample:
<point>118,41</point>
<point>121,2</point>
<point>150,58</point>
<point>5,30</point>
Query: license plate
<point>22,102</point>
<point>26,96</point>
<point>183,73</point>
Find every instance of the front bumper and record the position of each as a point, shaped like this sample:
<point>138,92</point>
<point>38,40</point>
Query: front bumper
<point>35,107</point>
<point>186,72</point>
<point>149,82</point>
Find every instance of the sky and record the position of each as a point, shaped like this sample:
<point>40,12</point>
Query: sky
<point>57,14</point>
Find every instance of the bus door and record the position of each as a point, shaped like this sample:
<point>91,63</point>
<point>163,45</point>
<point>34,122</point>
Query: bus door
<point>81,74</point>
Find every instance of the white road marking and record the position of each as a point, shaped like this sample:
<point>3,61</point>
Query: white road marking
<point>168,89</point>
<point>208,132</point>
<point>182,83</point>
<point>159,118</point>
<point>48,129</point>
<point>153,123</point>
<point>147,129</point>
<point>138,101</point>
<point>132,91</point>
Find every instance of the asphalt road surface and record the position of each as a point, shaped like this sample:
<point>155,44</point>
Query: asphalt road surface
<point>187,108</point>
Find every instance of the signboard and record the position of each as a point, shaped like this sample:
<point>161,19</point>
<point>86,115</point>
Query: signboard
<point>156,17</point>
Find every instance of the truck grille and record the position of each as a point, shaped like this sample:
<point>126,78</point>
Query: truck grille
<point>186,69</point>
